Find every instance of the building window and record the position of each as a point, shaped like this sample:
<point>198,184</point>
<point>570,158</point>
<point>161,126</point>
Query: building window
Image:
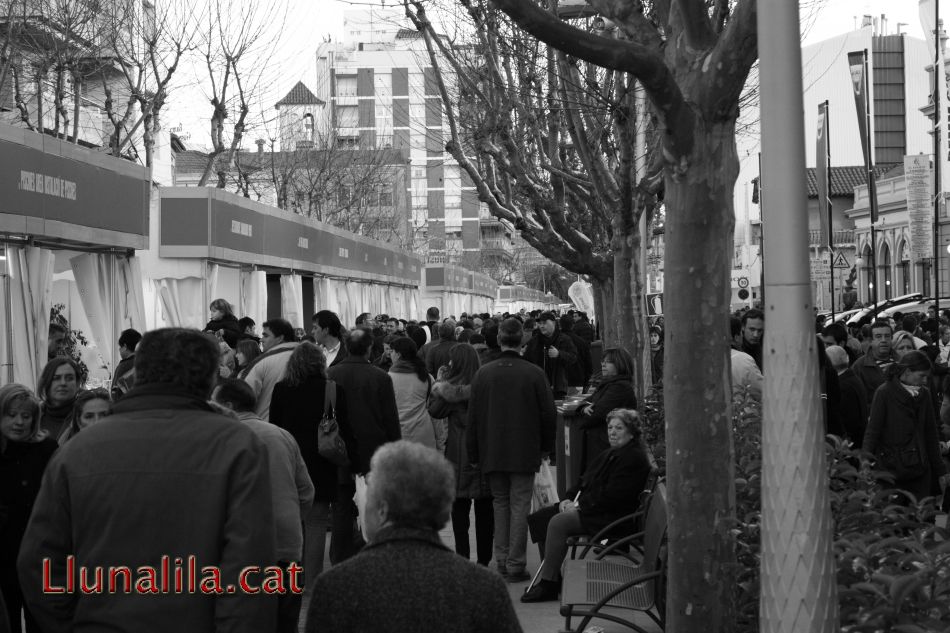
<point>308,127</point>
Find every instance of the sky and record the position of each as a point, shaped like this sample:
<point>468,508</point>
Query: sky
<point>292,42</point>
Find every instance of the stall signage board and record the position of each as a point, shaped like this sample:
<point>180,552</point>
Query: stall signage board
<point>919,178</point>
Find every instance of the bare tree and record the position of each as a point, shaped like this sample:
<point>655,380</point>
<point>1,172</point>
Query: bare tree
<point>236,41</point>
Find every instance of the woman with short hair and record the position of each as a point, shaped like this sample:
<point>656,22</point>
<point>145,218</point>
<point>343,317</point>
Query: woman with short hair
<point>608,490</point>
<point>25,449</point>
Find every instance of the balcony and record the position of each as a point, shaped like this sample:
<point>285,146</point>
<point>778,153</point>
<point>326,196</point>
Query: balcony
<point>844,237</point>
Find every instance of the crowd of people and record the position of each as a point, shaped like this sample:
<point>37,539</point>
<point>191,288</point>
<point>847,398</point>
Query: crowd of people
<point>202,460</point>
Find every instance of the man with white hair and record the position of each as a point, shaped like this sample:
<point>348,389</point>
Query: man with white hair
<point>406,579</point>
<point>853,404</point>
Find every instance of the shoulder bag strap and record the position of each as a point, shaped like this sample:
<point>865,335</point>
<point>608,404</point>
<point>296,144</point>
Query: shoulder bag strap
<point>329,400</point>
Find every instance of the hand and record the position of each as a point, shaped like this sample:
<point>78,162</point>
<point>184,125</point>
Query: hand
<point>566,505</point>
<point>588,410</point>
<point>544,456</point>
<point>553,353</point>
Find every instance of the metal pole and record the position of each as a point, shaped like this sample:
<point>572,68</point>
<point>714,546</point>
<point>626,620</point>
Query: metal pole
<point>826,208</point>
<point>761,234</point>
<point>937,150</point>
<point>873,267</point>
<point>872,189</point>
<point>796,510</point>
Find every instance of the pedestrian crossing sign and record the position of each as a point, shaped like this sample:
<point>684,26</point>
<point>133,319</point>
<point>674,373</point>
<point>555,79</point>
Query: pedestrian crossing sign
<point>840,261</point>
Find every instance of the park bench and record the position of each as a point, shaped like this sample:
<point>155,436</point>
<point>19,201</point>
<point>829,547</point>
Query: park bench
<point>612,581</point>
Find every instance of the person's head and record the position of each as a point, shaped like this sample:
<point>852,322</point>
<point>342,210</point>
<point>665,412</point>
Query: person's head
<point>838,357</point>
<point>306,361</point>
<point>19,415</point>
<point>127,342</point>
<point>417,334</point>
<point>547,321</point>
<point>359,343</point>
<point>902,342</point>
<point>490,332</point>
<point>432,314</point>
<point>656,336</point>
<point>510,334</point>
<point>477,339</point>
<point>835,334</point>
<point>477,323</point>
<point>235,394</point>
<point>220,308</point>
<point>403,347</point>
<point>465,336</point>
<point>463,363</point>
<point>56,344</point>
<point>363,318</point>
<point>932,312</point>
<point>913,368</point>
<point>753,326</point>
<point>944,332</point>
<point>276,331</point>
<point>623,427</point>
<point>184,359</point>
<point>447,330</point>
<point>246,351</point>
<point>880,335</point>
<point>408,485</point>
<point>247,325</point>
<point>392,325</point>
<point>327,328</point>
<point>90,408</point>
<point>616,361</point>
<point>909,323</point>
<point>60,381</point>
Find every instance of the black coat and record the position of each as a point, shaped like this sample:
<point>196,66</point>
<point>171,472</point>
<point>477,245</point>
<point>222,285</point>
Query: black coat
<point>438,355</point>
<point>230,326</point>
<point>610,487</point>
<point>555,369</point>
<point>21,471</point>
<point>370,405</point>
<point>299,410</point>
<point>511,416</point>
<point>578,373</point>
<point>853,407</point>
<point>407,580</point>
<point>615,392</point>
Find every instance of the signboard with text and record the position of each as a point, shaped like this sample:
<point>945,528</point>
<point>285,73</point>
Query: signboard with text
<point>918,177</point>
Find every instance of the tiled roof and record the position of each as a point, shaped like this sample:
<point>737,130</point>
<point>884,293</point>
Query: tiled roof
<point>190,161</point>
<point>300,95</point>
<point>407,34</point>
<point>844,179</point>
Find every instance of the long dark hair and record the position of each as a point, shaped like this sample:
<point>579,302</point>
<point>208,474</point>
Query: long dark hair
<point>914,360</point>
<point>306,361</point>
<point>464,363</point>
<point>409,352</point>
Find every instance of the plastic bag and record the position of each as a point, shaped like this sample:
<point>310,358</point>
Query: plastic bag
<point>545,487</point>
<point>360,500</point>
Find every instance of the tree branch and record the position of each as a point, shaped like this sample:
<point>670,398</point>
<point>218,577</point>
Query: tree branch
<point>730,62</point>
<point>699,35</point>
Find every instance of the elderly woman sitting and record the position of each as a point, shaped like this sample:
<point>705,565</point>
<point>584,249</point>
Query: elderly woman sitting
<point>609,489</point>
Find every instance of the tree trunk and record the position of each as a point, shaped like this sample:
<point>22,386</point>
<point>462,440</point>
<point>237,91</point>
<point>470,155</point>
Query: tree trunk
<point>628,303</point>
<point>700,471</point>
<point>604,302</point>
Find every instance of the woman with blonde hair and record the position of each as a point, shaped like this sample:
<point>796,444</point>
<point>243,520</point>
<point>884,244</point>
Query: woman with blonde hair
<point>297,406</point>
<point>90,408</point>
<point>25,449</point>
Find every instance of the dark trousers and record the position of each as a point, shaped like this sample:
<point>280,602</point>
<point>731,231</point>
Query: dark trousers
<point>13,598</point>
<point>484,528</point>
<point>288,603</point>
<point>343,545</point>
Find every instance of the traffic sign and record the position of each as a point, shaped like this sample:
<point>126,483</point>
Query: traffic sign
<point>841,261</point>
<point>743,282</point>
<point>655,304</point>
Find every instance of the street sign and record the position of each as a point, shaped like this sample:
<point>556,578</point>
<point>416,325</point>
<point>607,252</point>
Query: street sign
<point>841,261</point>
<point>655,304</point>
<point>743,282</point>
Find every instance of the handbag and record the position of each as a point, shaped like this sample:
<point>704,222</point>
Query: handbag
<point>330,445</point>
<point>438,407</point>
<point>544,492</point>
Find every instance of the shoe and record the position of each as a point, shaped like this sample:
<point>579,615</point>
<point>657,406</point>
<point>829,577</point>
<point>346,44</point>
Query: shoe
<point>518,576</point>
<point>544,591</point>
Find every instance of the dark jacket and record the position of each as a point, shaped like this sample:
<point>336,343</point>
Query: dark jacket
<point>407,580</point>
<point>584,330</point>
<point>854,408</point>
<point>578,373</point>
<point>511,416</point>
<point>555,369</point>
<point>299,410</point>
<point>611,485</point>
<point>615,392</point>
<point>164,475</point>
<point>451,402</point>
<point>656,365</point>
<point>901,421</point>
<point>370,405</point>
<point>438,355</point>
<point>124,377</point>
<point>21,471</point>
<point>870,375</point>
<point>53,419</point>
<point>231,329</point>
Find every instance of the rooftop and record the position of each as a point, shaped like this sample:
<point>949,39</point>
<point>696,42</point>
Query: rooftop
<point>300,95</point>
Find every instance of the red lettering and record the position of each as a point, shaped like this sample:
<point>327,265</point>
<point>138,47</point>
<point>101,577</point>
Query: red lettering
<point>114,574</point>
<point>273,581</point>
<point>47,581</point>
<point>246,587</point>
<point>295,570</point>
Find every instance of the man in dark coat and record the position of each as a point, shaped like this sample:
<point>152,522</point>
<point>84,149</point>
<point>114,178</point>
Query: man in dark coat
<point>853,406</point>
<point>163,483</point>
<point>374,420</point>
<point>583,328</point>
<point>553,351</point>
<point>578,373</point>
<point>511,424</point>
<point>753,329</point>
<point>436,352</point>
<point>406,579</point>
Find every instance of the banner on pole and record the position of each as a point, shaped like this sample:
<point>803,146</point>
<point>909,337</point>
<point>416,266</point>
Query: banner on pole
<point>918,177</point>
<point>928,20</point>
<point>821,177</point>
<point>857,62</point>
